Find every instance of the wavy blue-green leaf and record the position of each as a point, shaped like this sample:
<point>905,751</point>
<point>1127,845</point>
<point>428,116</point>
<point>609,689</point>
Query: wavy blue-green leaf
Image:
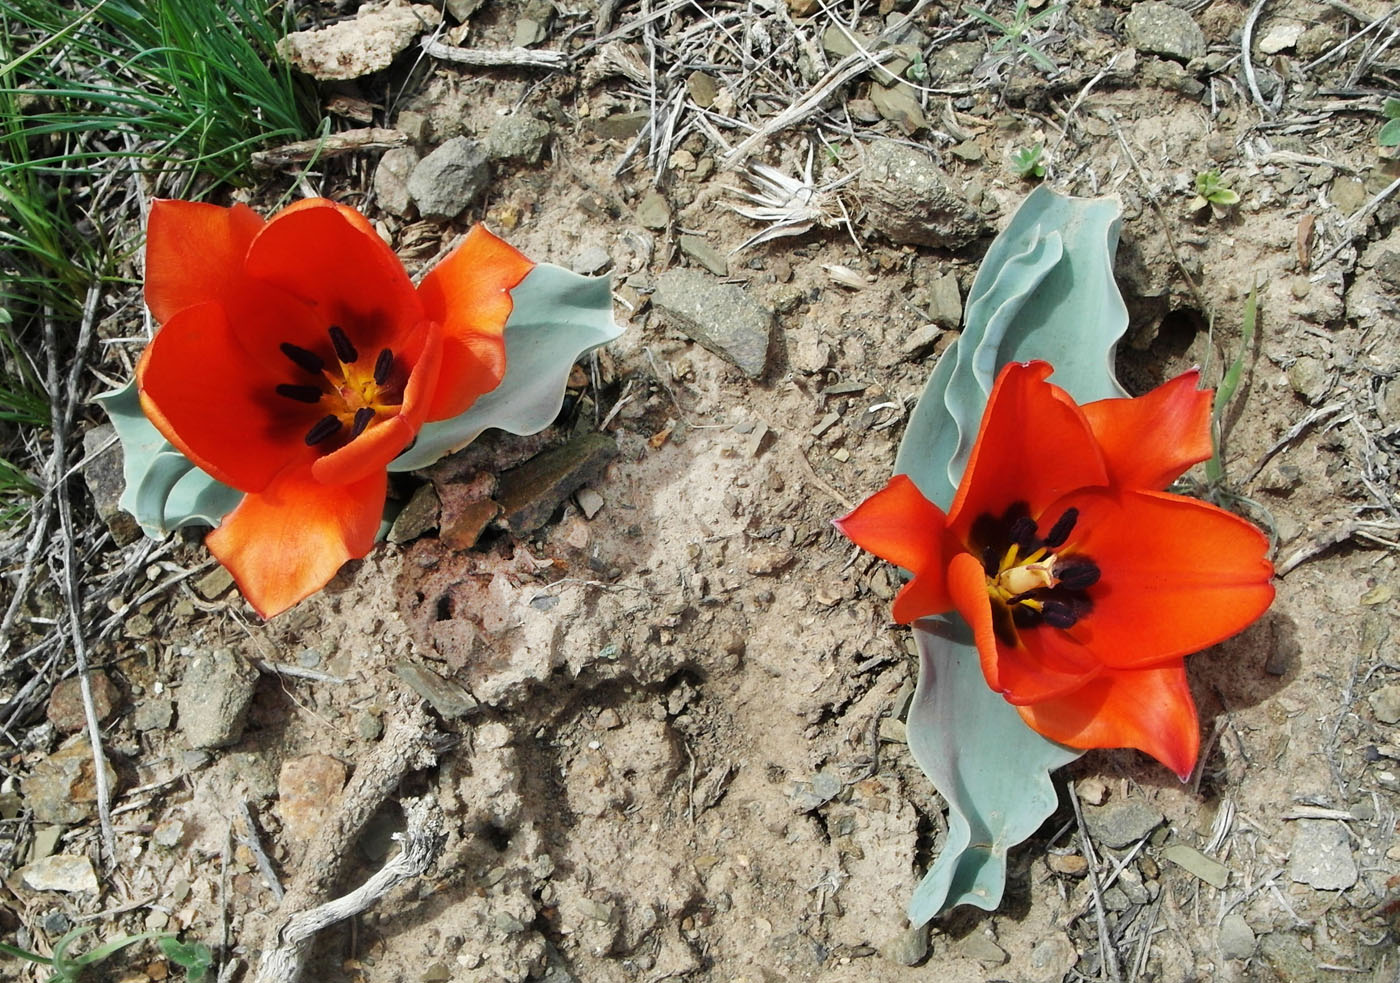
<point>557,317</point>
<point>164,490</point>
<point>991,768</point>
<point>1045,290</point>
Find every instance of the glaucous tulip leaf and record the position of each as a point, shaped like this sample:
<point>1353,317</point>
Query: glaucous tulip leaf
<point>1045,290</point>
<point>557,317</point>
<point>164,490</point>
<point>991,768</point>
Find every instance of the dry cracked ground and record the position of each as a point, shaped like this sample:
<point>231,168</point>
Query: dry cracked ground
<point>648,701</point>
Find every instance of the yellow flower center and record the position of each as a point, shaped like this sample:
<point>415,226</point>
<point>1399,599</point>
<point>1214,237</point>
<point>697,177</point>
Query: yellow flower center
<point>352,396</point>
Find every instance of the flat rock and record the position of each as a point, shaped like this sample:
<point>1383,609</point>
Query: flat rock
<point>720,316</point>
<point>214,697</point>
<point>62,789</point>
<point>391,180</point>
<point>909,199</point>
<point>1385,704</point>
<point>910,947</point>
<point>530,494</point>
<point>1236,937</point>
<point>66,702</point>
<point>357,47</point>
<point>591,260</point>
<point>1321,855</point>
<point>653,211</point>
<point>448,180</point>
<point>1121,824</point>
<point>517,137</point>
<point>1196,863</point>
<point>945,307</point>
<point>1161,29</point>
<point>60,872</point>
<point>153,714</point>
<point>417,517</point>
<point>1281,37</point>
<point>899,104</point>
<point>700,250</point>
<point>103,474</point>
<point>214,583</point>
<point>445,696</point>
<point>306,789</point>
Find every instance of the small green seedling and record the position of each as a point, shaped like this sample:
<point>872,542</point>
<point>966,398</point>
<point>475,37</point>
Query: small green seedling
<point>1022,23</point>
<point>1213,193</point>
<point>195,958</point>
<point>1389,136</point>
<point>1028,162</point>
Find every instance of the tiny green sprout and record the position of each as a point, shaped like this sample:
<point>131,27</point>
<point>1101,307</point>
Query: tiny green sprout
<point>1213,193</point>
<point>1028,162</point>
<point>193,957</point>
<point>917,70</point>
<point>1389,136</point>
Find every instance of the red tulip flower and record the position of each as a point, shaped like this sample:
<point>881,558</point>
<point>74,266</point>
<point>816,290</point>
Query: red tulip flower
<point>1084,583</point>
<point>295,360</point>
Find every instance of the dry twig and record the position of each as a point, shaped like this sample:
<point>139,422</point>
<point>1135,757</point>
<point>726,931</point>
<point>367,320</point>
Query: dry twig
<point>495,57</point>
<point>331,145</point>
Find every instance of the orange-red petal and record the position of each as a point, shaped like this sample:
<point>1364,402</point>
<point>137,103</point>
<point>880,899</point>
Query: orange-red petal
<point>1034,446</point>
<point>468,293</point>
<point>386,439</point>
<point>1177,575</point>
<point>199,389</point>
<point>1148,709</point>
<point>288,541</point>
<point>330,267</point>
<point>1150,441</point>
<point>1036,667</point>
<point>194,254</point>
<point>899,525</point>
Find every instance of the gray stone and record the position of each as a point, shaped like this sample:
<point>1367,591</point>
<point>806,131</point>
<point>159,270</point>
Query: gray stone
<point>391,180</point>
<point>1121,824</point>
<point>1385,704</point>
<point>153,714</point>
<point>1289,959</point>
<point>945,301</point>
<point>1236,937</point>
<point>978,946</point>
<point>720,316</point>
<point>1162,29</point>
<point>703,89</point>
<point>618,126</point>
<point>698,249</point>
<point>214,697</point>
<point>909,200</point>
<point>445,696</point>
<point>1348,194</point>
<point>463,9</point>
<point>62,789</point>
<point>958,60</point>
<point>589,502</point>
<point>908,948</point>
<point>214,583</point>
<point>899,104</point>
<point>61,872</point>
<point>102,470</point>
<point>591,260</point>
<point>169,833</point>
<point>517,137</point>
<point>1196,863</point>
<point>1321,855</point>
<point>530,493</point>
<point>653,211</point>
<point>448,180</point>
<point>824,786</point>
<point>418,516</point>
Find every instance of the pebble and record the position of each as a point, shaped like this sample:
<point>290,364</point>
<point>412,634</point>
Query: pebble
<point>608,719</point>
<point>60,872</point>
<point>1385,704</point>
<point>153,714</point>
<point>530,494</point>
<point>945,307</point>
<point>214,696</point>
<point>369,726</point>
<point>1281,37</point>
<point>591,260</point>
<point>911,201</point>
<point>420,515</point>
<point>213,584</point>
<point>824,786</point>
<point>698,249</point>
<point>702,88</point>
<point>446,697</point>
<point>168,833</point>
<point>1069,864</point>
<point>1162,29</point>
<point>449,179</point>
<point>66,702</point>
<point>720,316</point>
<point>1321,856</point>
<point>517,137</point>
<point>106,482</point>
<point>589,502</point>
<point>653,211</point>
<point>1121,824</point>
<point>307,787</point>
<point>1208,869</point>
<point>391,180</point>
<point>977,946</point>
<point>899,104</point>
<point>910,947</point>
<point>62,788</point>
<point>1236,937</point>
